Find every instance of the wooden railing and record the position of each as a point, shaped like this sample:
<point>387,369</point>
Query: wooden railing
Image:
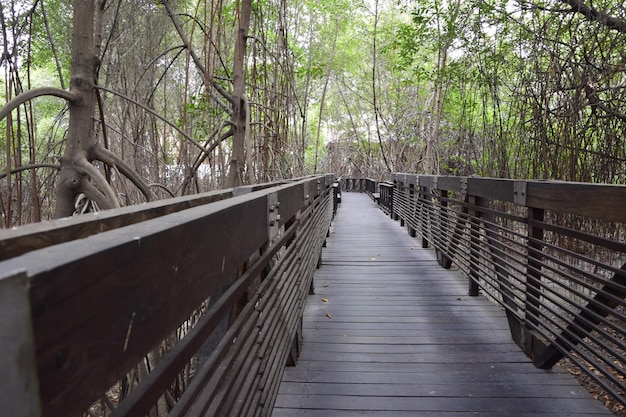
<point>552,253</point>
<point>192,305</point>
<point>361,185</point>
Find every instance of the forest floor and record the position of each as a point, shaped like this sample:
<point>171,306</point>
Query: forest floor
<point>583,377</point>
<point>593,387</point>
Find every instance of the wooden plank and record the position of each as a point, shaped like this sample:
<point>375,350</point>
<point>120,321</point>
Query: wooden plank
<point>17,241</point>
<point>101,303</point>
<point>427,181</point>
<point>450,183</point>
<point>19,390</point>
<point>251,383</point>
<point>424,404</point>
<point>427,390</point>
<point>390,333</point>
<point>291,199</point>
<point>592,200</point>
<point>491,188</point>
<point>142,398</point>
<point>291,412</point>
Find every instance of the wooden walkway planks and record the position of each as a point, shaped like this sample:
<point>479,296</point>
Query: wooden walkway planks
<point>389,333</point>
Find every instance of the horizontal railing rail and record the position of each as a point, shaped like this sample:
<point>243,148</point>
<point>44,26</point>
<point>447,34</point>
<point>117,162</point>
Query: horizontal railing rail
<point>361,185</point>
<point>19,240</point>
<point>191,306</point>
<point>552,253</point>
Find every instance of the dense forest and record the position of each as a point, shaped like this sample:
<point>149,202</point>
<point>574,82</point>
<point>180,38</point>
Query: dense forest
<point>117,102</point>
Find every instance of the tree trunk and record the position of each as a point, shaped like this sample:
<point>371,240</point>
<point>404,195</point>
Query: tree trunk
<point>374,87</point>
<point>331,62</point>
<point>431,165</point>
<point>240,103</point>
<point>77,175</point>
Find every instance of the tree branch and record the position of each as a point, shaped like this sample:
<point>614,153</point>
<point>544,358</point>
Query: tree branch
<point>163,187</point>
<point>95,194</point>
<point>29,167</point>
<point>201,158</point>
<point>609,111</point>
<point>157,115</point>
<point>104,155</point>
<point>34,93</point>
<point>197,61</point>
<point>596,16</point>
<point>97,189</point>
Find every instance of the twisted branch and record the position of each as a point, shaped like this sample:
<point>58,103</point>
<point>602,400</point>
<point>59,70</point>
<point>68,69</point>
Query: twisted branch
<point>34,93</point>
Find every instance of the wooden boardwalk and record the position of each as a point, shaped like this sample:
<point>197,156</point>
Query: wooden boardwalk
<point>389,333</point>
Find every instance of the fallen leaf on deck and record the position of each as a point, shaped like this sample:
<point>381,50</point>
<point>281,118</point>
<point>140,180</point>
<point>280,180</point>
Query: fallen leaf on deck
<point>330,316</point>
<point>326,284</point>
<point>325,300</point>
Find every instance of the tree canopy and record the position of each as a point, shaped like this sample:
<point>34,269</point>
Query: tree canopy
<point>116,102</point>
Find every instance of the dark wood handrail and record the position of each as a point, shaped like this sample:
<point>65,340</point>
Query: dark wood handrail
<point>552,253</point>
<point>231,268</point>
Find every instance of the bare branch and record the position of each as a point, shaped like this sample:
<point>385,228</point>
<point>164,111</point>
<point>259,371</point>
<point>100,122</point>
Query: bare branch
<point>95,194</point>
<point>157,115</point>
<point>163,187</point>
<point>597,16</point>
<point>29,167</point>
<point>201,158</point>
<point>34,93</point>
<point>53,48</point>
<point>609,111</point>
<point>104,155</point>
<point>197,60</point>
<point>97,189</point>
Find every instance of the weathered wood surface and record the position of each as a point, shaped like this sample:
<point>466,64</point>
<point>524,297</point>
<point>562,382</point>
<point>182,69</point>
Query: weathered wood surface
<point>19,396</point>
<point>390,333</point>
<point>100,304</point>
<point>23,239</point>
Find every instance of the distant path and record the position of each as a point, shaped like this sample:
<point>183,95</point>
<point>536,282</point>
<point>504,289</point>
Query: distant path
<point>389,333</point>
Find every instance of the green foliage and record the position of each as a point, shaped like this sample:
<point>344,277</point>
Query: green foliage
<point>58,13</point>
<point>500,88</point>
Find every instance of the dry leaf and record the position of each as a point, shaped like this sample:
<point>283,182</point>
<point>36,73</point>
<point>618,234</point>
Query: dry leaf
<point>373,259</point>
<point>329,315</point>
<point>326,284</point>
<point>325,300</point>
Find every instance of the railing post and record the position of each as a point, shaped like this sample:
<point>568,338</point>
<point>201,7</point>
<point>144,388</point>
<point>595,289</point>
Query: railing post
<point>412,209</point>
<point>425,205</point>
<point>336,195</point>
<point>533,272</point>
<point>442,226</point>
<point>475,215</point>
<point>390,189</point>
<point>399,189</point>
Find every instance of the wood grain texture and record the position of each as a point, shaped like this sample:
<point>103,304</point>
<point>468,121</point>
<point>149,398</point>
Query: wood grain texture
<point>389,333</point>
<point>99,304</point>
<point>127,279</point>
<point>17,241</point>
<point>600,201</point>
<point>21,240</point>
<point>19,390</point>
